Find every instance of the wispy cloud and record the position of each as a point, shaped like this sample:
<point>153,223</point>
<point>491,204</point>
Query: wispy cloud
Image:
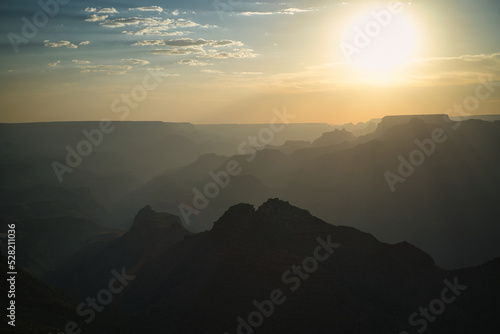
<point>96,18</point>
<point>81,62</point>
<point>247,73</point>
<point>156,68</point>
<point>84,43</point>
<point>288,11</point>
<point>135,61</point>
<point>465,61</point>
<point>54,63</point>
<point>299,10</point>
<point>59,44</point>
<point>226,55</point>
<point>108,69</point>
<point>108,11</point>
<point>170,74</point>
<point>158,31</point>
<point>198,42</point>
<point>176,51</point>
<point>193,62</point>
<point>212,71</point>
<point>150,42</point>
<point>154,26</point>
<point>150,22</point>
<point>127,21</point>
<point>101,11</point>
<point>463,69</point>
<point>182,23</point>
<point>148,9</point>
<point>184,42</point>
<point>426,72</point>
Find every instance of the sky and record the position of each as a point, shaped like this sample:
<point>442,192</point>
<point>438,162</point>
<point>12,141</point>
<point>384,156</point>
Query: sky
<point>232,61</point>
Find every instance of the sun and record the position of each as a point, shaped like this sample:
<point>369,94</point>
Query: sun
<point>381,41</point>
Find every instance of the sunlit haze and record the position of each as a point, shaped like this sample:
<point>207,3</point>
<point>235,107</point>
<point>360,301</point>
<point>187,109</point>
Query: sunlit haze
<point>236,64</point>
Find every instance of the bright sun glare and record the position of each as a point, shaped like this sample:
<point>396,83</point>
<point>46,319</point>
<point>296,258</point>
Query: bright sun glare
<point>382,43</point>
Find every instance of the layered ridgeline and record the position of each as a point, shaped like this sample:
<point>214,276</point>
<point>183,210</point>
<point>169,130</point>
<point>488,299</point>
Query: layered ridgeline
<point>42,309</point>
<point>397,183</point>
<point>52,224</point>
<point>151,235</point>
<point>278,269</point>
<point>114,157</point>
<point>110,158</point>
<point>424,179</point>
<point>432,184</point>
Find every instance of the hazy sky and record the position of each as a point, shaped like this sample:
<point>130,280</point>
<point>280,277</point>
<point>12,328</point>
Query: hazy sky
<point>234,61</point>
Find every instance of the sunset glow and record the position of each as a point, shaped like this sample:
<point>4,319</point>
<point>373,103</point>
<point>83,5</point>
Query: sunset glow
<point>235,63</point>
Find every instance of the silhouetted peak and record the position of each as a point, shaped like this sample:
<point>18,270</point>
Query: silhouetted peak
<point>145,212</point>
<point>236,218</point>
<point>274,212</point>
<point>335,137</point>
<point>148,219</point>
<point>274,207</point>
<point>275,204</point>
<point>241,208</point>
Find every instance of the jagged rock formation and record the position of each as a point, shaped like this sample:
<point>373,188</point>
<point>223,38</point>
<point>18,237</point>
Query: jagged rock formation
<point>208,281</point>
<point>151,235</point>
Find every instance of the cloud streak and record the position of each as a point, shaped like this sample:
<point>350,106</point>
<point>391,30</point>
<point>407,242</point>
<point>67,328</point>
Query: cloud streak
<point>108,69</point>
<point>54,63</point>
<point>177,51</point>
<point>128,21</point>
<point>135,61</point>
<point>59,44</point>
<point>227,55</point>
<point>185,42</point>
<point>96,18</point>
<point>148,9</point>
<point>193,62</point>
<point>81,62</point>
<point>101,11</point>
<point>160,31</point>
<point>288,11</point>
